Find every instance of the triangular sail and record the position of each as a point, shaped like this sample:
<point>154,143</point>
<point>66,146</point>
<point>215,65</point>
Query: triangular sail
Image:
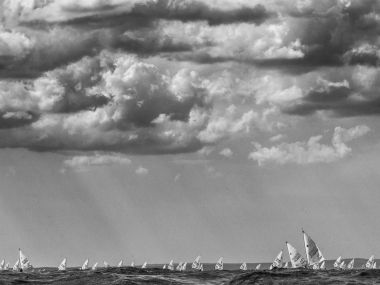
<point>179,266</point>
<point>85,265</point>
<point>16,267</point>
<point>295,257</point>
<point>24,262</point>
<point>286,265</point>
<point>2,264</point>
<point>374,265</point>
<point>369,263</point>
<point>164,267</point>
<point>132,264</point>
<point>95,266</point>
<point>323,265</point>
<point>258,266</point>
<point>184,266</point>
<point>201,267</point>
<point>277,263</point>
<point>313,254</point>
<point>342,265</point>
<point>197,262</point>
<point>62,266</point>
<point>171,265</point>
<point>351,264</point>
<point>6,267</point>
<point>144,265</point>
<point>106,265</point>
<point>120,264</point>
<point>243,266</point>
<point>337,262</point>
<point>219,264</point>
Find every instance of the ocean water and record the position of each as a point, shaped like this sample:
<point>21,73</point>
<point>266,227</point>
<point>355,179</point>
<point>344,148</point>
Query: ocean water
<point>135,276</point>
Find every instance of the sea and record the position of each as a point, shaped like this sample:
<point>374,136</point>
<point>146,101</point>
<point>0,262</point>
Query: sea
<point>230,275</point>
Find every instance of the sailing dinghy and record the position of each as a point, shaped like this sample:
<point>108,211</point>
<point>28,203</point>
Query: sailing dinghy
<point>313,253</point>
<point>132,264</point>
<point>197,264</point>
<point>16,267</point>
<point>85,265</point>
<point>323,266</point>
<point>144,265</point>
<point>24,262</point>
<point>2,264</point>
<point>106,265</point>
<point>337,262</point>
<point>342,265</point>
<point>296,258</point>
<point>219,264</point>
<point>95,266</point>
<point>350,265</point>
<point>277,262</point>
<point>258,266</point>
<point>171,265</point>
<point>369,263</point>
<point>374,265</point>
<point>120,264</point>
<point>62,266</point>
<point>164,267</point>
<point>243,266</point>
<point>184,265</point>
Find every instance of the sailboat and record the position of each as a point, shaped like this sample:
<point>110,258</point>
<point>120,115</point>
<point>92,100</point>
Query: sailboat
<point>337,262</point>
<point>313,253</point>
<point>295,257</point>
<point>374,265</point>
<point>144,265</point>
<point>350,265</point>
<point>219,264</point>
<point>323,265</point>
<point>95,266</point>
<point>277,263</point>
<point>85,265</point>
<point>16,267</point>
<point>201,267</point>
<point>197,263</point>
<point>342,265</point>
<point>369,263</point>
<point>315,266</point>
<point>62,266</point>
<point>132,264</point>
<point>120,264</point>
<point>24,262</point>
<point>171,265</point>
<point>2,264</point>
<point>106,265</point>
<point>179,266</point>
<point>258,266</point>
<point>6,267</point>
<point>243,266</point>
<point>286,265</point>
<point>184,265</point>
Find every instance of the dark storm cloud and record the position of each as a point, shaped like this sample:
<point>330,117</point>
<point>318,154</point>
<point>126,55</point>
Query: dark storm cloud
<point>16,119</point>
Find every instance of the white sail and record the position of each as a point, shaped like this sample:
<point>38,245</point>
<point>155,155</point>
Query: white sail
<point>184,265</point>
<point>2,264</point>
<point>62,266</point>
<point>16,267</point>
<point>179,266</point>
<point>374,265</point>
<point>201,267</point>
<point>342,265</point>
<point>315,266</point>
<point>219,264</point>
<point>323,265</point>
<point>106,265</point>
<point>85,265</point>
<point>243,266</point>
<point>313,254</point>
<point>120,264</point>
<point>6,267</point>
<point>197,262</point>
<point>350,265</point>
<point>286,264</point>
<point>295,257</point>
<point>95,266</point>
<point>171,265</point>
<point>277,263</point>
<point>337,262</point>
<point>144,265</point>
<point>164,267</point>
<point>369,263</point>
<point>24,262</point>
<point>132,264</point>
<point>258,266</point>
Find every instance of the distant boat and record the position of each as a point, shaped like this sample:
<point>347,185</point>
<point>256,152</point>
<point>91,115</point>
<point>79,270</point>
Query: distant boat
<point>179,266</point>
<point>350,265</point>
<point>132,264</point>
<point>120,263</point>
<point>258,266</point>
<point>24,262</point>
<point>342,265</point>
<point>106,265</point>
<point>278,261</point>
<point>85,265</point>
<point>337,262</point>
<point>164,267</point>
<point>243,266</point>
<point>171,265</point>
<point>184,265</point>
<point>6,267</point>
<point>313,253</point>
<point>62,266</point>
<point>374,265</point>
<point>295,257</point>
<point>323,265</point>
<point>369,263</point>
<point>95,266</point>
<point>286,264</point>
<point>2,264</point>
<point>219,264</point>
<point>144,265</point>
<point>16,267</point>
<point>197,264</point>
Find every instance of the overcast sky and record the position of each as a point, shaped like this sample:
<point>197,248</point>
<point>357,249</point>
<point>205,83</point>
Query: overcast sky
<point>166,129</point>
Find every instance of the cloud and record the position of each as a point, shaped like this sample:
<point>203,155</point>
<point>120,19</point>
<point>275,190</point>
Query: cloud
<point>226,152</point>
<point>142,171</point>
<point>311,151</point>
<point>85,162</point>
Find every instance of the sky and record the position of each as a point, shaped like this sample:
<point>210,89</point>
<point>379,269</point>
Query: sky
<point>151,130</point>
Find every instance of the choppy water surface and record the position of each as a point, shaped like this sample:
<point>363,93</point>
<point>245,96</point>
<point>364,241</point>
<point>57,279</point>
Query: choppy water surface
<point>157,276</point>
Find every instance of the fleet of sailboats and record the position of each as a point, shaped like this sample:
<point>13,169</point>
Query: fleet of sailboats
<point>314,260</point>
